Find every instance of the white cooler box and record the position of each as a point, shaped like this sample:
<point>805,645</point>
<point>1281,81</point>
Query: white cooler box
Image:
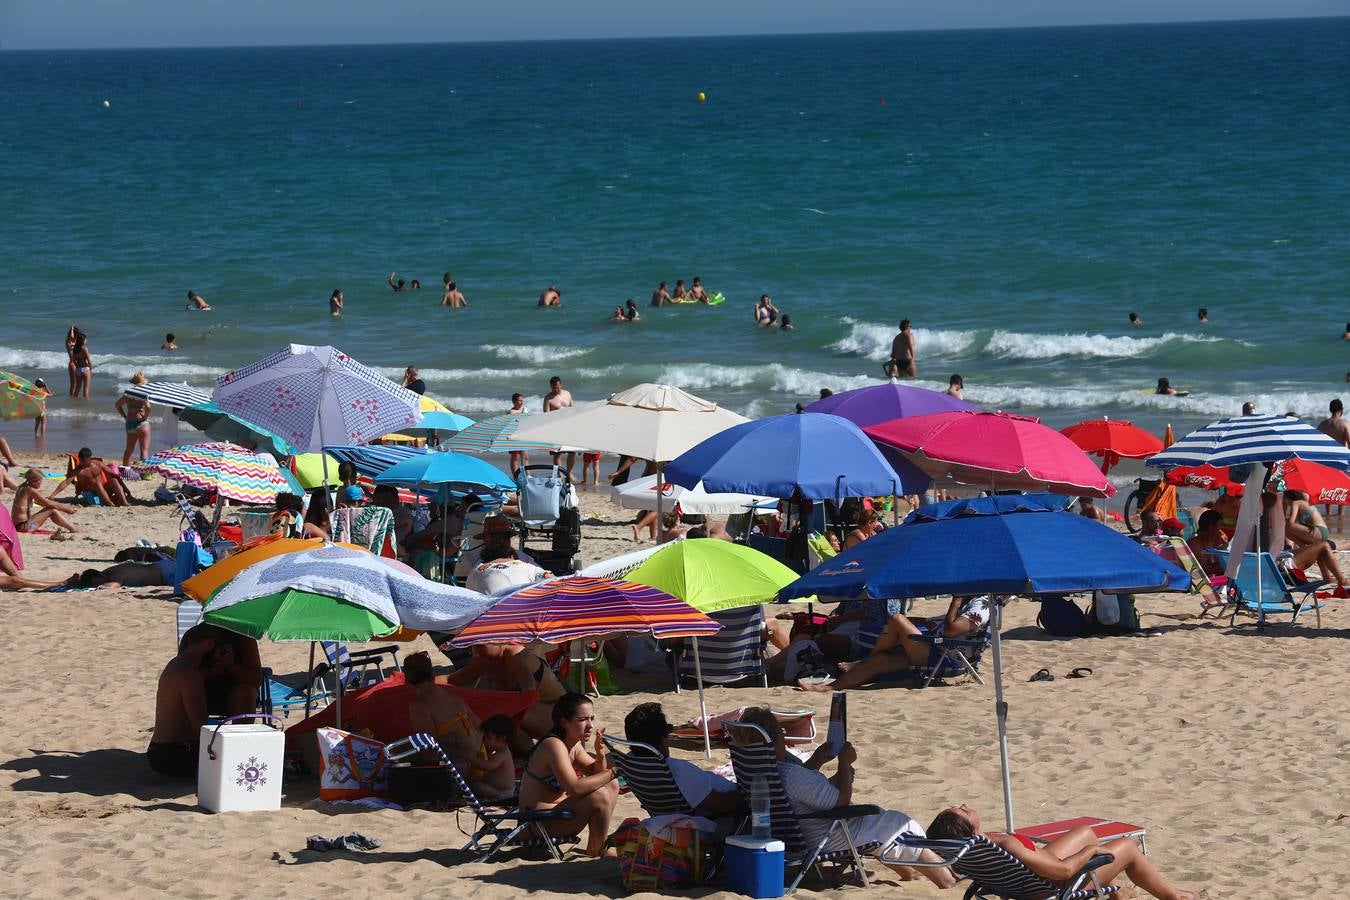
<point>245,773</point>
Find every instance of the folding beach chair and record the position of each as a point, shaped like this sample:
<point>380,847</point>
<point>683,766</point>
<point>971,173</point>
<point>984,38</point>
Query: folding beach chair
<point>804,835</point>
<point>278,698</point>
<point>1175,549</point>
<point>732,654</point>
<point>189,614</point>
<point>500,829</point>
<point>996,873</point>
<point>1274,596</point>
<point>356,670</point>
<point>947,658</point>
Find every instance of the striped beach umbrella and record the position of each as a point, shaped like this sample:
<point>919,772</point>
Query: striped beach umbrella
<point>1240,440</point>
<point>20,398</point>
<point>566,608</point>
<point>173,394</point>
<point>228,469</point>
<point>494,435</point>
<point>214,422</point>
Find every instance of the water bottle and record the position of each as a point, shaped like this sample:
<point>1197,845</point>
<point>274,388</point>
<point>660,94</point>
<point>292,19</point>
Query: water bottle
<point>759,809</point>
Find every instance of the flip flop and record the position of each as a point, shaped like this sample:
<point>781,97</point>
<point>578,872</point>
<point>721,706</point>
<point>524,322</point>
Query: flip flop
<point>1042,675</point>
<point>1080,672</point>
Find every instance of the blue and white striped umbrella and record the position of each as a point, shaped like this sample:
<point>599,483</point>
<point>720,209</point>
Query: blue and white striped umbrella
<point>371,460</point>
<point>1253,439</point>
<point>173,394</point>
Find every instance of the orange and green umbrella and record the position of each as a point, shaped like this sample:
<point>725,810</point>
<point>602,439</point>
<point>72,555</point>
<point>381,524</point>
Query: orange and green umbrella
<point>201,586</point>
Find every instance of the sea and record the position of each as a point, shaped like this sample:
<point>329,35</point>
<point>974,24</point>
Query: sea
<point>1015,194</point>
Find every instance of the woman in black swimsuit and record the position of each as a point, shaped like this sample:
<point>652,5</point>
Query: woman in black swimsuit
<point>551,780</point>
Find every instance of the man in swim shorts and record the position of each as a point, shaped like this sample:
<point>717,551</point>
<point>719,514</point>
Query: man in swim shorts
<point>180,705</point>
<point>660,296</point>
<point>902,363</point>
<point>93,481</point>
<point>696,291</point>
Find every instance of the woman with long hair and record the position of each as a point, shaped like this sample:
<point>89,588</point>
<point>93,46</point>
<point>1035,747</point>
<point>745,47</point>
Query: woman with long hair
<point>551,781</point>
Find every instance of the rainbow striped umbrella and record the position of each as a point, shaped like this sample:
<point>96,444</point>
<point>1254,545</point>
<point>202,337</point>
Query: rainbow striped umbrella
<point>493,435</point>
<point>228,469</point>
<point>20,398</point>
<point>566,608</point>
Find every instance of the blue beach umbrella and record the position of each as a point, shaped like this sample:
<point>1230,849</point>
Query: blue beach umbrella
<point>807,455</point>
<point>1007,544</point>
<point>445,422</point>
<point>446,469</point>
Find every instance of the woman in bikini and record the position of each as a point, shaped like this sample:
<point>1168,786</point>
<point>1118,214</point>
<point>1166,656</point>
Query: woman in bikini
<point>1061,859</point>
<point>1307,531</point>
<point>442,714</point>
<point>84,364</point>
<point>135,413</point>
<point>510,667</point>
<point>30,492</point>
<point>551,779</point>
<point>70,357</point>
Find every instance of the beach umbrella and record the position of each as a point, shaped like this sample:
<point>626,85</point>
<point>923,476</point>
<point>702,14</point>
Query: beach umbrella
<point>1322,484</point>
<point>996,450</point>
<point>173,394</point>
<point>438,423</point>
<point>201,586</point>
<point>1208,478</point>
<point>310,467</point>
<point>1258,441</point>
<point>312,396</point>
<point>812,456</point>
<point>564,609</point>
<point>879,403</point>
<point>446,469</point>
<point>1007,544</point>
<point>20,398</point>
<point>495,434</point>
<point>9,538</point>
<point>228,469</point>
<point>642,493</point>
<point>619,566</point>
<point>655,422</point>
<point>220,425</point>
<point>1112,440</point>
<point>712,575</point>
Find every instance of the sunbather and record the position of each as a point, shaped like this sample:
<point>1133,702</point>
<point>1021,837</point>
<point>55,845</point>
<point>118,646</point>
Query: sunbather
<point>707,793</point>
<point>442,714</point>
<point>94,481</point>
<point>1061,859</point>
<point>510,667</point>
<point>130,574</point>
<point>552,780</point>
<point>30,493</point>
<point>809,791</point>
<point>11,580</point>
<point>1310,539</point>
<point>897,648</point>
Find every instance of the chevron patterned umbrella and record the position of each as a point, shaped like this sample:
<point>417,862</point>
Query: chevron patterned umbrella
<point>228,469</point>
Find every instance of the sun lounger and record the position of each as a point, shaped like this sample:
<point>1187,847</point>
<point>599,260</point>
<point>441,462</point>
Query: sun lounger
<point>356,670</point>
<point>1105,829</point>
<point>994,872</point>
<point>752,756</point>
<point>1274,596</point>
<point>499,829</point>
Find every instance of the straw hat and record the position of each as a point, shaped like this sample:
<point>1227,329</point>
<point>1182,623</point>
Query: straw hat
<point>495,525</point>
<point>139,378</point>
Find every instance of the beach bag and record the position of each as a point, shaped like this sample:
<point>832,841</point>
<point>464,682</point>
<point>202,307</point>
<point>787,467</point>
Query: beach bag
<point>805,660</point>
<point>1113,614</point>
<point>651,863</point>
<point>567,531</point>
<point>807,625</point>
<point>350,766</point>
<point>1061,617</point>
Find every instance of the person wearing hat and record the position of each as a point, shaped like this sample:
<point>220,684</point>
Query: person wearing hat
<point>1173,527</point>
<point>499,567</point>
<point>351,496</point>
<point>135,413</point>
<point>707,793</point>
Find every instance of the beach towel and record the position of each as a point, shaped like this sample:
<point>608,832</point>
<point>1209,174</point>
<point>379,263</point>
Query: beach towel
<point>371,527</point>
<point>350,766</point>
<point>9,538</point>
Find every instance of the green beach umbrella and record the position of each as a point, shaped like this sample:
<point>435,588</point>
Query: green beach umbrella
<point>711,574</point>
<point>297,615</point>
<point>309,470</point>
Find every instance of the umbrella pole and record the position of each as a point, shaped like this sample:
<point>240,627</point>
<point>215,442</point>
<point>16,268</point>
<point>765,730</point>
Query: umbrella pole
<point>1001,708</point>
<point>338,673</point>
<point>702,706</point>
<point>444,513</point>
<point>660,480</point>
<point>309,681</point>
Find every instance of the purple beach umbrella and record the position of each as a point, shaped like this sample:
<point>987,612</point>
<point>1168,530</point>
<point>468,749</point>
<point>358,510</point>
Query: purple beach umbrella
<point>879,403</point>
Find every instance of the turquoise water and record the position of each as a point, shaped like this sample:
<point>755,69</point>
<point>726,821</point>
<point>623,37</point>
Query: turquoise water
<point>1014,193</point>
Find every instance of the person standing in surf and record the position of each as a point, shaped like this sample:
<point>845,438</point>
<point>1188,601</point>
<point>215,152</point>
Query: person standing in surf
<point>903,363</point>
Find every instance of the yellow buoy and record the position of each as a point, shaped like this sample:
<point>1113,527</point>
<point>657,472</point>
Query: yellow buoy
<point>702,97</point>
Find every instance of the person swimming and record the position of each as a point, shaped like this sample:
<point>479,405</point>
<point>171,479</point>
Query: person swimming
<point>1165,387</point>
<point>1203,315</point>
<point>1135,320</point>
<point>631,311</point>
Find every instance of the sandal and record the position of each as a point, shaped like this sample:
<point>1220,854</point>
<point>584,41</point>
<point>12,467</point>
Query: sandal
<point>1080,672</point>
<point>1042,675</point>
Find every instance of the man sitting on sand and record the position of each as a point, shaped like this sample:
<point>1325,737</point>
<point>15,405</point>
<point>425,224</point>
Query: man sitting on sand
<point>707,793</point>
<point>29,493</point>
<point>809,791</point>
<point>213,673</point>
<point>93,481</point>
<point>899,648</point>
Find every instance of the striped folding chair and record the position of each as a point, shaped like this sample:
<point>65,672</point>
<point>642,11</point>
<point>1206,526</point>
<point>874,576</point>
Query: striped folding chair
<point>734,653</point>
<point>644,770</point>
<point>189,614</point>
<point>996,873</point>
<point>804,835</point>
<point>499,829</point>
<point>948,658</point>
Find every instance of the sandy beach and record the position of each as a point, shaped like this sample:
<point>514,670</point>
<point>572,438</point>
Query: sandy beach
<point>1224,743</point>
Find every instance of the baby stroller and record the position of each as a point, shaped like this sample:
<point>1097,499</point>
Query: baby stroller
<point>549,511</point>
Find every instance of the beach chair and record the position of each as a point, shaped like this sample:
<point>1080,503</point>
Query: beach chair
<point>498,830</point>
<point>189,614</point>
<point>275,697</point>
<point>356,670</point>
<point>947,658</point>
<point>732,654</point>
<point>1175,549</point>
<point>996,873</point>
<point>1275,595</point>
<point>804,836</point>
<point>818,549</point>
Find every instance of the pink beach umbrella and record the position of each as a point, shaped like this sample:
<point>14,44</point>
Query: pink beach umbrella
<point>994,449</point>
<point>9,538</point>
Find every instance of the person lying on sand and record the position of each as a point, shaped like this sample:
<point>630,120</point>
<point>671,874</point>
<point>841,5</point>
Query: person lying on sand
<point>1061,859</point>
<point>898,647</point>
<point>11,580</point>
<point>29,493</point>
<point>809,791</point>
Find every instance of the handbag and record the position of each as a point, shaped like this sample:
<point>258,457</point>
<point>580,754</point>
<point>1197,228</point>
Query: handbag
<point>651,863</point>
<point>351,766</point>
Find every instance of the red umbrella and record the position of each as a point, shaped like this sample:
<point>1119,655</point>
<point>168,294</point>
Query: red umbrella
<point>1113,440</point>
<point>1322,484</point>
<point>1209,478</point>
<point>996,449</point>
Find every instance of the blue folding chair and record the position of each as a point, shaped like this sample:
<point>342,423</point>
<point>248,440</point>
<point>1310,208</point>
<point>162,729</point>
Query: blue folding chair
<point>1268,592</point>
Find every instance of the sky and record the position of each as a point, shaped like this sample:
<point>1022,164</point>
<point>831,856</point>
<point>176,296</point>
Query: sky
<point>46,24</point>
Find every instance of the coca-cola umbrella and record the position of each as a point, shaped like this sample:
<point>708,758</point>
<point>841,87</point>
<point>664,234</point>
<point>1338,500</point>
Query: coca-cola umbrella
<point>1113,440</point>
<point>1322,484</point>
<point>994,449</point>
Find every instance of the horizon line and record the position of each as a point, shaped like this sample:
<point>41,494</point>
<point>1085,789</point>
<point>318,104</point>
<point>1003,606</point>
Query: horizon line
<point>663,37</point>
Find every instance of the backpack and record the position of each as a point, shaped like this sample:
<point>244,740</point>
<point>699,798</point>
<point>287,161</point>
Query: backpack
<point>1061,617</point>
<point>567,531</point>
